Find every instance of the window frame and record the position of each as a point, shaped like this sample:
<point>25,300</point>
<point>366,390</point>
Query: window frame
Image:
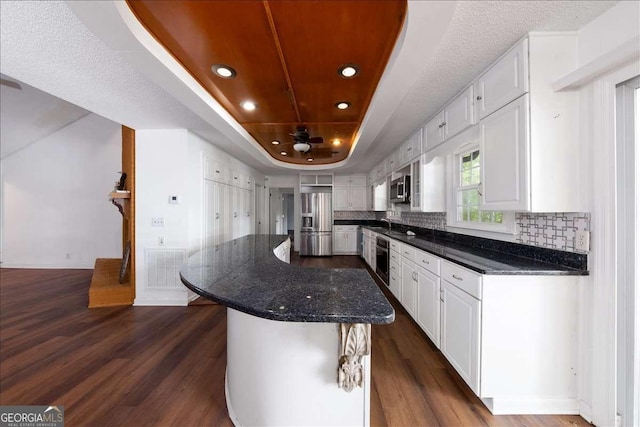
<point>507,227</point>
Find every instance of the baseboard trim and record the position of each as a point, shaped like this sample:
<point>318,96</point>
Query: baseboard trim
<point>532,405</point>
<point>49,266</point>
<point>585,411</point>
<point>139,302</point>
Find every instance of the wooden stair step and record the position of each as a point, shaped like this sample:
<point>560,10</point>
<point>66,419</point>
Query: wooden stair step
<point>105,289</point>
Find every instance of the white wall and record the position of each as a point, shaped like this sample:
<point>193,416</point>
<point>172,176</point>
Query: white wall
<point>168,163</point>
<point>596,329</point>
<point>55,210</point>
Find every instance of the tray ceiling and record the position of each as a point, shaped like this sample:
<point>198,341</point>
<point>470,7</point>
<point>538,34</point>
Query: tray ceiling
<point>286,56</point>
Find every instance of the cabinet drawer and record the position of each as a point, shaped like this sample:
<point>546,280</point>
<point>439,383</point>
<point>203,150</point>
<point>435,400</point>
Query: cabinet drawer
<point>394,267</point>
<point>408,252</point>
<point>428,262</point>
<point>467,280</point>
<point>394,257</point>
<point>345,228</point>
<point>394,245</point>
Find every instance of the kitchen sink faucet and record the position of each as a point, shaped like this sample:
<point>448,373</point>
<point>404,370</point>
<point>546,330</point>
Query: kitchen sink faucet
<point>387,220</point>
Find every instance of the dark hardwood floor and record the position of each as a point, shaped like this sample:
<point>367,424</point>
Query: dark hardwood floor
<point>165,366</point>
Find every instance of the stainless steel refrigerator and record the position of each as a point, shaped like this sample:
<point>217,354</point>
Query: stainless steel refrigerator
<point>316,233</point>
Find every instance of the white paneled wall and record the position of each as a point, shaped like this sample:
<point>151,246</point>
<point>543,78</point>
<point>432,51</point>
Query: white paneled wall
<point>176,162</point>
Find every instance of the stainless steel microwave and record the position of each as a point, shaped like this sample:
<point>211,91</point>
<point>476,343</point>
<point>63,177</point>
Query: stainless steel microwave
<point>400,191</point>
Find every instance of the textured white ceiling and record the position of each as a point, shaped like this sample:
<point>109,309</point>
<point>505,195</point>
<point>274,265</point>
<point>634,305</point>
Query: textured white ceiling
<point>45,45</point>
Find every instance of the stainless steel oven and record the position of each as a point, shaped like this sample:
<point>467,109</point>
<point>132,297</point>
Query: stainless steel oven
<point>382,259</point>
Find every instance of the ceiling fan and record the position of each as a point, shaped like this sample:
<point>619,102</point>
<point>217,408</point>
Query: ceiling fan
<point>302,141</point>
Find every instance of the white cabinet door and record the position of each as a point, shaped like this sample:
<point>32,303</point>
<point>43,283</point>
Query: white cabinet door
<point>351,242</point>
<point>416,185</point>
<point>460,339</point>
<point>428,306</point>
<point>211,216</point>
<point>409,290</point>
<point>339,241</point>
<point>459,114</point>
<point>433,190</point>
<point>505,81</point>
<point>372,253</point>
<point>340,198</point>
<point>395,284</point>
<point>357,198</point>
<point>434,131</point>
<point>223,214</point>
<point>341,180</point>
<point>504,148</point>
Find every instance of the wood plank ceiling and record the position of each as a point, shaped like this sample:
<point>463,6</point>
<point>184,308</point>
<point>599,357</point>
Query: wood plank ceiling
<point>286,56</point>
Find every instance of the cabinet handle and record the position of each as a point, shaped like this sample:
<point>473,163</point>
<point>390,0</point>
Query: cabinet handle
<point>479,189</point>
<point>217,171</point>
<point>440,125</point>
<point>478,97</point>
<point>425,261</point>
<point>217,215</point>
<point>442,295</point>
<point>456,277</point>
<point>444,124</point>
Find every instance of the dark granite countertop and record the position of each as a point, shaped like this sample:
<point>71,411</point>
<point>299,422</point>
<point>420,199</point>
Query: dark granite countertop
<point>244,274</point>
<point>519,260</point>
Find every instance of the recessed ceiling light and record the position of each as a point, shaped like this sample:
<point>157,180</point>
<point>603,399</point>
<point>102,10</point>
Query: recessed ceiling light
<point>336,141</point>
<point>275,142</point>
<point>343,105</point>
<point>248,105</point>
<point>309,159</point>
<point>224,71</point>
<point>284,153</point>
<point>348,70</point>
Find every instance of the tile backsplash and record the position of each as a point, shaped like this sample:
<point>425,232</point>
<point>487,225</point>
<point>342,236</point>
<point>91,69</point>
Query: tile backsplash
<point>433,220</point>
<point>551,230</point>
<point>354,215</point>
<point>546,230</point>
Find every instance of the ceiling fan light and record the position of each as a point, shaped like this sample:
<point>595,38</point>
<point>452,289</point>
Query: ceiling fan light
<point>348,71</point>
<point>224,71</point>
<point>302,147</point>
<point>248,105</point>
<point>343,105</point>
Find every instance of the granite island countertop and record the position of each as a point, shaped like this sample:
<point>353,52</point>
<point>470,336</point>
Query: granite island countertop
<point>245,274</point>
<point>483,260</point>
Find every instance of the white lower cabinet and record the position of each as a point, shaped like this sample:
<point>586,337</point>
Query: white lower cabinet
<point>345,239</point>
<point>460,340</point>
<point>511,338</point>
<point>428,304</point>
<point>409,292</point>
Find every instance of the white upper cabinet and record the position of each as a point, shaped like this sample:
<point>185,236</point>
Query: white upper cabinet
<point>433,131</point>
<point>350,193</point>
<point>453,119</point>
<point>458,114</point>
<point>529,142</point>
<point>505,81</point>
<point>393,161</point>
<point>412,148</point>
<point>504,144</point>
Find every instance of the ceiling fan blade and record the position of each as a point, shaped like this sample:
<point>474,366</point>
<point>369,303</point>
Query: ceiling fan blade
<point>316,140</point>
<point>10,83</point>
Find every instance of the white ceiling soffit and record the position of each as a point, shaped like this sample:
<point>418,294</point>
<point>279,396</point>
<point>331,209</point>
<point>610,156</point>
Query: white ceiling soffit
<point>445,45</point>
<point>28,115</point>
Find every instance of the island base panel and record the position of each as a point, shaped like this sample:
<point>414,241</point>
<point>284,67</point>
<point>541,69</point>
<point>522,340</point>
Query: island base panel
<point>285,374</point>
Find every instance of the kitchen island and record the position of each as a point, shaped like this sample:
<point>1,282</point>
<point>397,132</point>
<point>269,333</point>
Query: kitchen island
<point>298,339</point>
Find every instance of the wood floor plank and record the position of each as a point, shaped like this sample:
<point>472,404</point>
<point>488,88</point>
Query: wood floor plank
<point>165,366</point>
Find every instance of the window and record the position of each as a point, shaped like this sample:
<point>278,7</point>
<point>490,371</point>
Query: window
<point>467,198</point>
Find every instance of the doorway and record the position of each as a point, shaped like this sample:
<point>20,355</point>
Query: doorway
<point>628,251</point>
<point>281,211</point>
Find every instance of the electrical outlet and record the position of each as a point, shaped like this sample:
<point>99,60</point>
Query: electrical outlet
<point>157,222</point>
<point>582,240</point>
